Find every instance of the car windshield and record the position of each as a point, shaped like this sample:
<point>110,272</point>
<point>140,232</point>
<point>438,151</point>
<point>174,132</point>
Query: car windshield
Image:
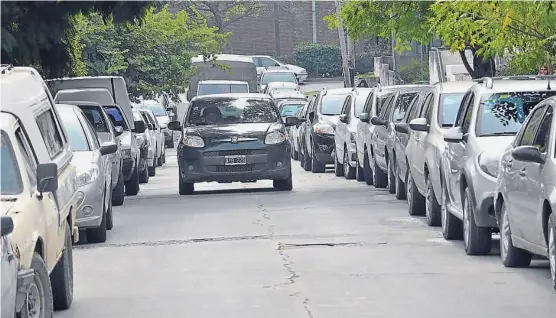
<point>504,113</point>
<point>360,100</point>
<point>116,116</point>
<point>290,109</point>
<point>11,179</point>
<point>278,77</point>
<point>95,117</point>
<point>137,116</point>
<point>157,109</point>
<point>331,105</point>
<point>402,104</point>
<point>208,89</point>
<point>76,134</point>
<point>448,108</point>
<point>231,110</point>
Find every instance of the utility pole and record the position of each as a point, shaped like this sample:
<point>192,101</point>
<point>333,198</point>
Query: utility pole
<point>277,26</point>
<point>343,48</point>
<point>314,11</point>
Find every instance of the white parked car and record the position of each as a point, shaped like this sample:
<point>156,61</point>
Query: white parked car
<point>264,61</point>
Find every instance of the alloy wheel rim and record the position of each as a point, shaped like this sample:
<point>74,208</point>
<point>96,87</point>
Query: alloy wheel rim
<point>33,303</point>
<point>409,193</point>
<point>389,169</point>
<point>346,163</point>
<point>552,253</point>
<point>428,201</point>
<point>444,217</point>
<point>505,235</point>
<point>466,223</point>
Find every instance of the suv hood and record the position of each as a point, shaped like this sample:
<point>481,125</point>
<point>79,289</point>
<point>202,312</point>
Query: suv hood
<point>332,120</point>
<point>296,69</point>
<point>104,137</point>
<point>6,206</point>
<point>254,130</point>
<point>82,161</point>
<point>125,138</point>
<point>495,145</point>
<point>163,119</point>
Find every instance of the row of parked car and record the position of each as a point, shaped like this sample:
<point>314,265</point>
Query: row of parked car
<point>65,162</point>
<point>474,157</point>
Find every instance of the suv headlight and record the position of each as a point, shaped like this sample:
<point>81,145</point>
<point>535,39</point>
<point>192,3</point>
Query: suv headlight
<point>274,137</point>
<point>193,141</point>
<point>489,164</point>
<point>322,128</point>
<point>88,176</point>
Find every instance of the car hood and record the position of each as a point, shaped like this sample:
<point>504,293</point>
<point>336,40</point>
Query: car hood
<point>82,161</point>
<point>6,206</point>
<point>125,139</point>
<point>254,130</point>
<point>163,119</point>
<point>333,120</point>
<point>296,69</point>
<point>495,145</point>
<point>104,137</point>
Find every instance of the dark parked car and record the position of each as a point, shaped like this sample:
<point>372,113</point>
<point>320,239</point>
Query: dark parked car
<point>233,138</point>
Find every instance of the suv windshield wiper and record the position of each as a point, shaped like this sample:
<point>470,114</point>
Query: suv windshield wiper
<point>329,114</point>
<point>502,133</point>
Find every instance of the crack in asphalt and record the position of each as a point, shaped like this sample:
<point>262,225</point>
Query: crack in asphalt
<point>294,246</point>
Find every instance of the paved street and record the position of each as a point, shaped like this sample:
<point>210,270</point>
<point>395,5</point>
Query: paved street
<point>244,250</point>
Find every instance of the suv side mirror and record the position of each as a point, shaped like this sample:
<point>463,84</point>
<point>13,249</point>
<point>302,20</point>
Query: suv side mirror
<point>344,118</point>
<point>174,125</point>
<point>401,128</point>
<point>140,127</point>
<point>7,225</point>
<point>291,121</point>
<point>453,135</point>
<point>47,178</point>
<point>108,148</point>
<point>118,130</point>
<point>377,121</point>
<point>528,154</point>
<point>419,124</point>
<point>364,117</point>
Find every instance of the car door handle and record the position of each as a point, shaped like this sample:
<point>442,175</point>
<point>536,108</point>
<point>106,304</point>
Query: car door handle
<point>522,172</point>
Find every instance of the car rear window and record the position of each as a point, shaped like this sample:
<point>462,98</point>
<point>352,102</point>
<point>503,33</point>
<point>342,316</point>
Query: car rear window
<point>278,77</point>
<point>76,134</point>
<point>95,117</point>
<point>448,108</point>
<point>331,105</point>
<point>231,110</point>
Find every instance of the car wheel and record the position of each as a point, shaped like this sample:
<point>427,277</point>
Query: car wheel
<point>359,173</point>
<point>284,184</point>
<point>476,239</point>
<point>367,171</point>
<point>295,153</point>
<point>432,207</point>
<point>511,255</point>
<point>552,247</point>
<point>349,171</point>
<point>159,161</point>
<point>390,166</point>
<point>109,216</point>
<point>186,188</point>
<point>152,171</point>
<point>379,177</point>
<point>38,301</point>
<point>452,227</point>
<point>338,169</point>
<point>316,165</point>
<point>415,201</point>
<point>98,234</point>
<point>301,158</point>
<point>163,156</point>
<point>400,185</point>
<point>144,175</point>
<point>61,277</point>
<point>118,194</point>
<point>306,162</point>
<point>132,185</point>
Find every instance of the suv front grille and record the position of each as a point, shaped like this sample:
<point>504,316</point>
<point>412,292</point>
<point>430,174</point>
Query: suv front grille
<point>242,168</point>
<point>239,152</point>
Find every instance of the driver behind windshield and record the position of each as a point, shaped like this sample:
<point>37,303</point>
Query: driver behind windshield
<point>211,115</point>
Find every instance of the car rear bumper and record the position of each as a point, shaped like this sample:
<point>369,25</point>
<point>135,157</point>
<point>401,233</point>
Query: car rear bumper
<point>91,204</point>
<point>263,162</point>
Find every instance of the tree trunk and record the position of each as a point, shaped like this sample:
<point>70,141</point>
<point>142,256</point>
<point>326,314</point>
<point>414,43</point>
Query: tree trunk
<point>482,67</point>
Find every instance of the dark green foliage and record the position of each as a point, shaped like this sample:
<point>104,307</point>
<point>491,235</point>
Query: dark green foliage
<point>414,72</point>
<point>318,59</point>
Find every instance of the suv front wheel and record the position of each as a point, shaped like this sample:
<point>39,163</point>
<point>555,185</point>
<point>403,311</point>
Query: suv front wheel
<point>476,239</point>
<point>61,277</point>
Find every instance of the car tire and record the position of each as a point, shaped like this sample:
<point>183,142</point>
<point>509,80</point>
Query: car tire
<point>151,171</point>
<point>170,143</point>
<point>477,240</point>
<point>390,166</point>
<point>163,156</point>
<point>452,227</point>
<point>552,247</point>
<point>118,194</point>
<point>380,178</point>
<point>61,278</point>
<point>349,171</point>
<point>511,256</point>
<point>338,169</point>
<point>367,171</point>
<point>306,163</point>
<point>159,161</point>
<point>283,184</point>
<point>359,173</point>
<point>400,186</point>
<point>432,207</point>
<point>109,216</point>
<point>186,188</point>
<point>132,185</point>
<point>316,165</point>
<point>295,154</point>
<point>144,175</point>
<point>98,234</point>
<point>41,288</point>
<point>415,200</point>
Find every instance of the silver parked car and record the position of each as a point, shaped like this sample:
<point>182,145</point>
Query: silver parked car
<point>162,117</point>
<point>491,113</point>
<point>94,173</point>
<point>157,135</point>
<point>526,192</point>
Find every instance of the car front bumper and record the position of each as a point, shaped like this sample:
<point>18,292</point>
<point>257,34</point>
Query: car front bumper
<point>483,190</point>
<point>90,205</point>
<point>302,78</point>
<point>263,162</point>
<point>323,146</point>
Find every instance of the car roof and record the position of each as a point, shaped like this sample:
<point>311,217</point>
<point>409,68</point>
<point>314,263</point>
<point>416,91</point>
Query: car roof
<point>282,84</point>
<point>454,87</point>
<point>292,101</point>
<point>233,95</point>
<point>21,87</point>
<point>277,70</point>
<point>222,82</point>
<point>339,91</point>
<point>224,57</point>
<point>81,103</point>
<point>515,85</point>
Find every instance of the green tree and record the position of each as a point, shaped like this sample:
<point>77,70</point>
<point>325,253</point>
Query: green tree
<point>40,33</point>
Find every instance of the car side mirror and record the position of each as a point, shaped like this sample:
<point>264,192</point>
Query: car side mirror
<point>7,225</point>
<point>151,127</point>
<point>47,178</point>
<point>108,148</point>
<point>377,121</point>
<point>291,121</point>
<point>401,128</point>
<point>174,125</point>
<point>419,124</point>
<point>301,119</point>
<point>344,118</point>
<point>140,127</point>
<point>453,135</point>
<point>528,154</point>
<point>312,116</point>
<point>364,117</point>
<point>118,130</point>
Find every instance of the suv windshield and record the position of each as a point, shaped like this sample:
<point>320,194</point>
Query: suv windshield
<point>448,108</point>
<point>116,116</point>
<point>10,182</point>
<point>157,109</point>
<point>278,77</point>
<point>77,137</point>
<point>331,105</point>
<point>95,117</point>
<point>290,109</point>
<point>231,111</point>
<point>504,113</point>
<point>402,104</point>
<point>208,89</point>
<point>360,100</point>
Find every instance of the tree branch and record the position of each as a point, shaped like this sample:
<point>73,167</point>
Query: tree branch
<point>466,63</point>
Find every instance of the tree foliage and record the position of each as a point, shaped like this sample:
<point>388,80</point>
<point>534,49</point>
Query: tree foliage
<point>318,59</point>
<point>40,33</point>
<point>153,54</point>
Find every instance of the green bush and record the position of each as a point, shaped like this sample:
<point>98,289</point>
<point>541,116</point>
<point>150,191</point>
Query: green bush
<point>365,62</point>
<point>318,59</point>
<point>411,72</point>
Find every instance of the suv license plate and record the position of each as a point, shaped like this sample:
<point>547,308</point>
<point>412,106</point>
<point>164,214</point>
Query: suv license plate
<point>235,160</point>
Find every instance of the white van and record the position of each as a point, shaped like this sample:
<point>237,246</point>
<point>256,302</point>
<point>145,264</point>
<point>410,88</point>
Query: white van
<point>39,187</point>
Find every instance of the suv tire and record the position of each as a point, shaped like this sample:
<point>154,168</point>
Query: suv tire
<point>379,177</point>
<point>477,240</point>
<point>415,201</point>
<point>132,185</point>
<point>367,171</point>
<point>349,171</point>
<point>432,207</point>
<point>118,194</point>
<point>511,255</point>
<point>61,277</point>
<point>39,287</point>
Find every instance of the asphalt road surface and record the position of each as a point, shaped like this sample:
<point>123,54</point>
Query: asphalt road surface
<point>331,248</point>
